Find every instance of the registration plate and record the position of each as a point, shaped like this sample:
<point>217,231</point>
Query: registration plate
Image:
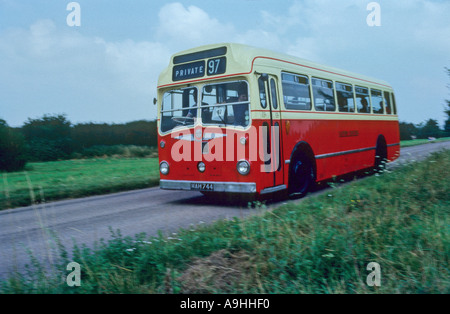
<point>202,186</point>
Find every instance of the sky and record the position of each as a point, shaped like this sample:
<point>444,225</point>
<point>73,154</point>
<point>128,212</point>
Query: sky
<point>105,69</point>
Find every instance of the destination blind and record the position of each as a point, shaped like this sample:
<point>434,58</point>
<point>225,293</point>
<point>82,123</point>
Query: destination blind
<point>199,68</point>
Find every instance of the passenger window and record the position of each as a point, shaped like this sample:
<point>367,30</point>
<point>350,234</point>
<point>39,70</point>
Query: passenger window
<point>296,92</point>
<point>345,98</point>
<point>387,103</point>
<point>323,95</point>
<point>362,99</point>
<point>394,107</point>
<point>377,101</point>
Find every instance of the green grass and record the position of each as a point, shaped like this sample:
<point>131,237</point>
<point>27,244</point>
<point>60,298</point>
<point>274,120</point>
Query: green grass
<point>422,141</point>
<point>48,181</point>
<point>321,244</point>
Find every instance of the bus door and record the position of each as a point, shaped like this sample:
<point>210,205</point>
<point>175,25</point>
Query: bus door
<point>274,163</point>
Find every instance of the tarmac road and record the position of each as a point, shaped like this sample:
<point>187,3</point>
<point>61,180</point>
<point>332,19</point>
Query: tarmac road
<point>87,220</point>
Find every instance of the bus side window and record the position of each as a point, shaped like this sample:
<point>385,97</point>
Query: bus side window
<point>377,101</point>
<point>296,93</point>
<point>387,103</point>
<point>273,91</point>
<point>362,99</point>
<point>394,107</point>
<point>323,95</point>
<point>262,92</point>
<point>345,97</point>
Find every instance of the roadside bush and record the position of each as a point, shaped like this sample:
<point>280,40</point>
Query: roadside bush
<point>48,138</point>
<point>139,133</point>
<point>12,149</point>
<point>322,244</point>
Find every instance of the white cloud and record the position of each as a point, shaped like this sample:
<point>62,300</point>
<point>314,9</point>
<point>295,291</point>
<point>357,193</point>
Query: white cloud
<point>53,70</point>
<point>51,64</point>
<point>409,50</point>
<point>41,37</point>
<point>136,64</point>
<point>190,26</point>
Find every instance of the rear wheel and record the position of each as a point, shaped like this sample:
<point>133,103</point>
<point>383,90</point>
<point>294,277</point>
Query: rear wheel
<point>380,156</point>
<point>301,175</point>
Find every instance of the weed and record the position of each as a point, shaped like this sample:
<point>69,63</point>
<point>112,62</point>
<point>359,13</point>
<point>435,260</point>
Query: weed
<point>76,178</point>
<point>323,244</point>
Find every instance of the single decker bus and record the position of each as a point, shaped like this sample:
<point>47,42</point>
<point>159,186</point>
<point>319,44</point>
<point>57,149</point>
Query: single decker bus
<point>239,119</point>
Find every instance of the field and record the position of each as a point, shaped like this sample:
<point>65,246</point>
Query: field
<point>321,244</point>
<point>58,180</point>
<point>76,178</point>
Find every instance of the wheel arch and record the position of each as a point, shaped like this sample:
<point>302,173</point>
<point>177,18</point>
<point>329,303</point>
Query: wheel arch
<point>305,148</point>
<point>381,139</point>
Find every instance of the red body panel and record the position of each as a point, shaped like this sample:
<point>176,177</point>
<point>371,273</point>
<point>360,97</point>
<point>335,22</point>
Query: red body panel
<point>338,136</point>
<point>339,147</point>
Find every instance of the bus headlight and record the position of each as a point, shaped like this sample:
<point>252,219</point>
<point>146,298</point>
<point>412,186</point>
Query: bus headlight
<point>164,168</point>
<point>243,167</point>
<point>201,166</point>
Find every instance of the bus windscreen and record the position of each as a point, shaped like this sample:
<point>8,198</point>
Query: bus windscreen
<point>226,104</point>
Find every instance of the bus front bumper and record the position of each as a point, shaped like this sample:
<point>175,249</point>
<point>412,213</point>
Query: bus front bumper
<point>228,187</point>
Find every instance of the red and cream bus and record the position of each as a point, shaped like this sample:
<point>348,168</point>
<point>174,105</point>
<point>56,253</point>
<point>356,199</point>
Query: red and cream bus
<point>238,119</point>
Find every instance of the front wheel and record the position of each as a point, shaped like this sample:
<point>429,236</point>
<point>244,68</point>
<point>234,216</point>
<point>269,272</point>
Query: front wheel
<point>301,176</point>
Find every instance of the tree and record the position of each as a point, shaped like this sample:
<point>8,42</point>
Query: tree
<point>447,111</point>
<point>430,129</point>
<point>142,133</point>
<point>12,149</point>
<point>407,131</point>
<point>48,138</point>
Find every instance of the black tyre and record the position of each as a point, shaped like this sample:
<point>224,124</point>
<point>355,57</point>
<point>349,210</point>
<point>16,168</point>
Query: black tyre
<point>380,156</point>
<point>301,175</point>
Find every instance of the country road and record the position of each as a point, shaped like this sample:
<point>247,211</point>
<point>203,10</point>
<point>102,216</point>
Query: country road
<point>87,220</point>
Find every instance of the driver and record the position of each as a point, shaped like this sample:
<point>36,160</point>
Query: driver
<point>240,110</point>
<point>192,113</point>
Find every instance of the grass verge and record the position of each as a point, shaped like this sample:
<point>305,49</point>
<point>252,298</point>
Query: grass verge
<point>321,244</point>
<point>47,181</point>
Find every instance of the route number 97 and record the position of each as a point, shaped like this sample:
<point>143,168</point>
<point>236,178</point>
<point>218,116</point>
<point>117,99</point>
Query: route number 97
<point>216,66</point>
